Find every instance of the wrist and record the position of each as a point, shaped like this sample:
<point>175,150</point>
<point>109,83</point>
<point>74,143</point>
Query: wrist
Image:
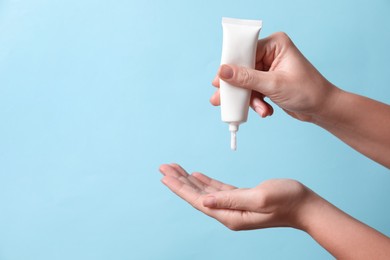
<point>328,113</point>
<point>310,206</point>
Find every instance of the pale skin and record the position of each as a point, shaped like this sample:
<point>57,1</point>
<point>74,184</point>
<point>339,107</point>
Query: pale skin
<point>278,203</point>
<point>290,81</point>
<point>287,78</point>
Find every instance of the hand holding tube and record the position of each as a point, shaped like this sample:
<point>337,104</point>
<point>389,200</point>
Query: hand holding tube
<point>285,76</point>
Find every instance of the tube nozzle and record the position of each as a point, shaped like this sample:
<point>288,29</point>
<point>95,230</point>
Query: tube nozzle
<point>233,128</point>
<point>233,140</point>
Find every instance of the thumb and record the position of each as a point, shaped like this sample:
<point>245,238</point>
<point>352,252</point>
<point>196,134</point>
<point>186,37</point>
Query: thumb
<point>238,199</point>
<point>244,77</point>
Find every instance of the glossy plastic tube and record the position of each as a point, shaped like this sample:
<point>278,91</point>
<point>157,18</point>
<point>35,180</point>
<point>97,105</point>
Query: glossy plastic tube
<point>238,48</point>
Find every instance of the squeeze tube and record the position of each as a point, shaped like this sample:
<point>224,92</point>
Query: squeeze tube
<point>238,48</point>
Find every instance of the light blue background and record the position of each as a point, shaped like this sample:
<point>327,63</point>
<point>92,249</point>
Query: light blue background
<point>95,95</point>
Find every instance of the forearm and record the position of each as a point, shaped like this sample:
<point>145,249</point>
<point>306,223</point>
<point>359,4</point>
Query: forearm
<point>340,234</point>
<point>360,122</point>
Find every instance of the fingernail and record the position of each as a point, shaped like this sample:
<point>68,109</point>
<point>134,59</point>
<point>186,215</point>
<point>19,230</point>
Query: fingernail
<point>259,110</point>
<point>256,102</point>
<point>210,201</point>
<point>226,72</point>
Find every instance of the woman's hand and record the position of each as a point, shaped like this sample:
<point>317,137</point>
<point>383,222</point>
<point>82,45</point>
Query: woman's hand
<point>274,203</point>
<point>278,203</point>
<point>283,75</point>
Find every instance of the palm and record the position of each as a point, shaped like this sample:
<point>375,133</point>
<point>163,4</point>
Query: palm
<point>267,205</point>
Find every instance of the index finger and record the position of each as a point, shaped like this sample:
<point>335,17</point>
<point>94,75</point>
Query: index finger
<point>184,191</point>
<point>195,199</point>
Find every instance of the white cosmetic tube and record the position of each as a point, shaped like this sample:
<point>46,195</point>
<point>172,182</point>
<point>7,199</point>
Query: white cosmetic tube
<point>238,48</point>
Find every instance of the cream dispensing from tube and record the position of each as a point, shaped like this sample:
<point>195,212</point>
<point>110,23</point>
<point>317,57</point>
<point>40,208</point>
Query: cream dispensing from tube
<point>238,48</point>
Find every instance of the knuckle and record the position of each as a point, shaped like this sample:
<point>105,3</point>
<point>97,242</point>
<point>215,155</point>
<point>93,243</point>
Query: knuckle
<point>263,196</point>
<point>262,201</point>
<point>277,83</point>
<point>245,77</point>
<point>226,201</point>
<point>282,36</point>
<point>274,82</point>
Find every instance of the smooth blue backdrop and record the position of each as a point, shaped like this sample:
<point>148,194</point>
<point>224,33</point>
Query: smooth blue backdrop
<point>95,95</point>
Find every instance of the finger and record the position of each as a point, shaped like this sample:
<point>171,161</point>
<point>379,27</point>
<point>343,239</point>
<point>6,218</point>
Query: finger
<point>184,191</point>
<point>195,198</point>
<point>215,81</point>
<point>260,106</point>
<point>265,53</point>
<point>205,187</point>
<point>238,199</point>
<point>270,107</point>
<point>180,169</point>
<point>191,180</point>
<point>270,48</point>
<point>215,98</point>
<point>213,183</point>
<point>243,77</point>
<point>189,194</point>
<point>169,170</point>
<point>182,175</point>
<point>233,219</point>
